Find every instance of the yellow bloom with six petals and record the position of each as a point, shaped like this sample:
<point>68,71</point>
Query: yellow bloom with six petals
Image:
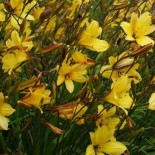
<point>102,143</point>
<point>17,42</point>
<point>69,73</point>
<point>89,38</point>
<point>138,28</point>
<point>119,94</point>
<point>107,118</point>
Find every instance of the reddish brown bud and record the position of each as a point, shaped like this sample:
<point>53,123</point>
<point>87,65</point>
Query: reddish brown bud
<point>7,6</point>
<point>45,14</point>
<point>53,128</point>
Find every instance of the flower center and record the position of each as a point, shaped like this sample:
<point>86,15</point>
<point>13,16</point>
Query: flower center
<point>67,76</point>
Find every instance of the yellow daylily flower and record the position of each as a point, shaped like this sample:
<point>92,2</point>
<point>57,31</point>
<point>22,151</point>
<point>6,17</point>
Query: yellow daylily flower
<point>89,39</point>
<point>5,110</point>
<point>11,61</point>
<point>119,94</point>
<point>107,118</point>
<point>18,42</point>
<point>21,12</point>
<point>68,74</point>
<point>36,97</point>
<point>152,102</point>
<point>83,59</point>
<point>102,143</point>
<point>138,28</point>
<point>119,66</point>
<point>2,14</point>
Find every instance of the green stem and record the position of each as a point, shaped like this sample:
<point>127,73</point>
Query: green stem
<point>2,142</point>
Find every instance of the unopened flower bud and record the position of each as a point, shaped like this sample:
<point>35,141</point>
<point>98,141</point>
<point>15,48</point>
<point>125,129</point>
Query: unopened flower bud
<point>45,14</point>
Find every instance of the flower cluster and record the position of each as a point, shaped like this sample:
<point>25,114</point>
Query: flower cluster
<point>82,68</point>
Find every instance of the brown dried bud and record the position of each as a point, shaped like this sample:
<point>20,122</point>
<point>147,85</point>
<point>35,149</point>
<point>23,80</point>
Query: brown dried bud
<point>45,14</point>
<point>51,47</point>
<point>7,6</point>
<point>53,128</point>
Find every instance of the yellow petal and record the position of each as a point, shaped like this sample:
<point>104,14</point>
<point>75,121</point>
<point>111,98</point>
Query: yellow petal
<point>143,26</point>
<point>144,20</point>
<point>114,148</point>
<point>134,75</point>
<point>79,57</point>
<point>130,38</point>
<point>14,22</point>
<point>28,17</point>
<point>111,111</point>
<point>144,40</point>
<point>90,150</point>
<point>93,43</point>
<point>149,30</point>
<point>134,20</point>
<point>65,69</point>
<point>112,123</point>
<point>125,100</point>
<point>3,123</point>
<point>2,16</point>
<point>60,80</point>
<point>69,85</point>
<point>92,137</point>
<point>122,84</point>
<point>127,29</point>
<point>112,98</point>
<point>100,108</point>
<point>101,135</point>
<point>152,102</point>
<point>16,3</point>
<point>6,109</point>
<point>28,44</point>
<point>99,153</point>
<point>1,98</point>
<point>21,56</point>
<point>9,62</point>
<point>78,77</point>
<point>15,38</point>
<point>93,29</point>
<point>97,45</point>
